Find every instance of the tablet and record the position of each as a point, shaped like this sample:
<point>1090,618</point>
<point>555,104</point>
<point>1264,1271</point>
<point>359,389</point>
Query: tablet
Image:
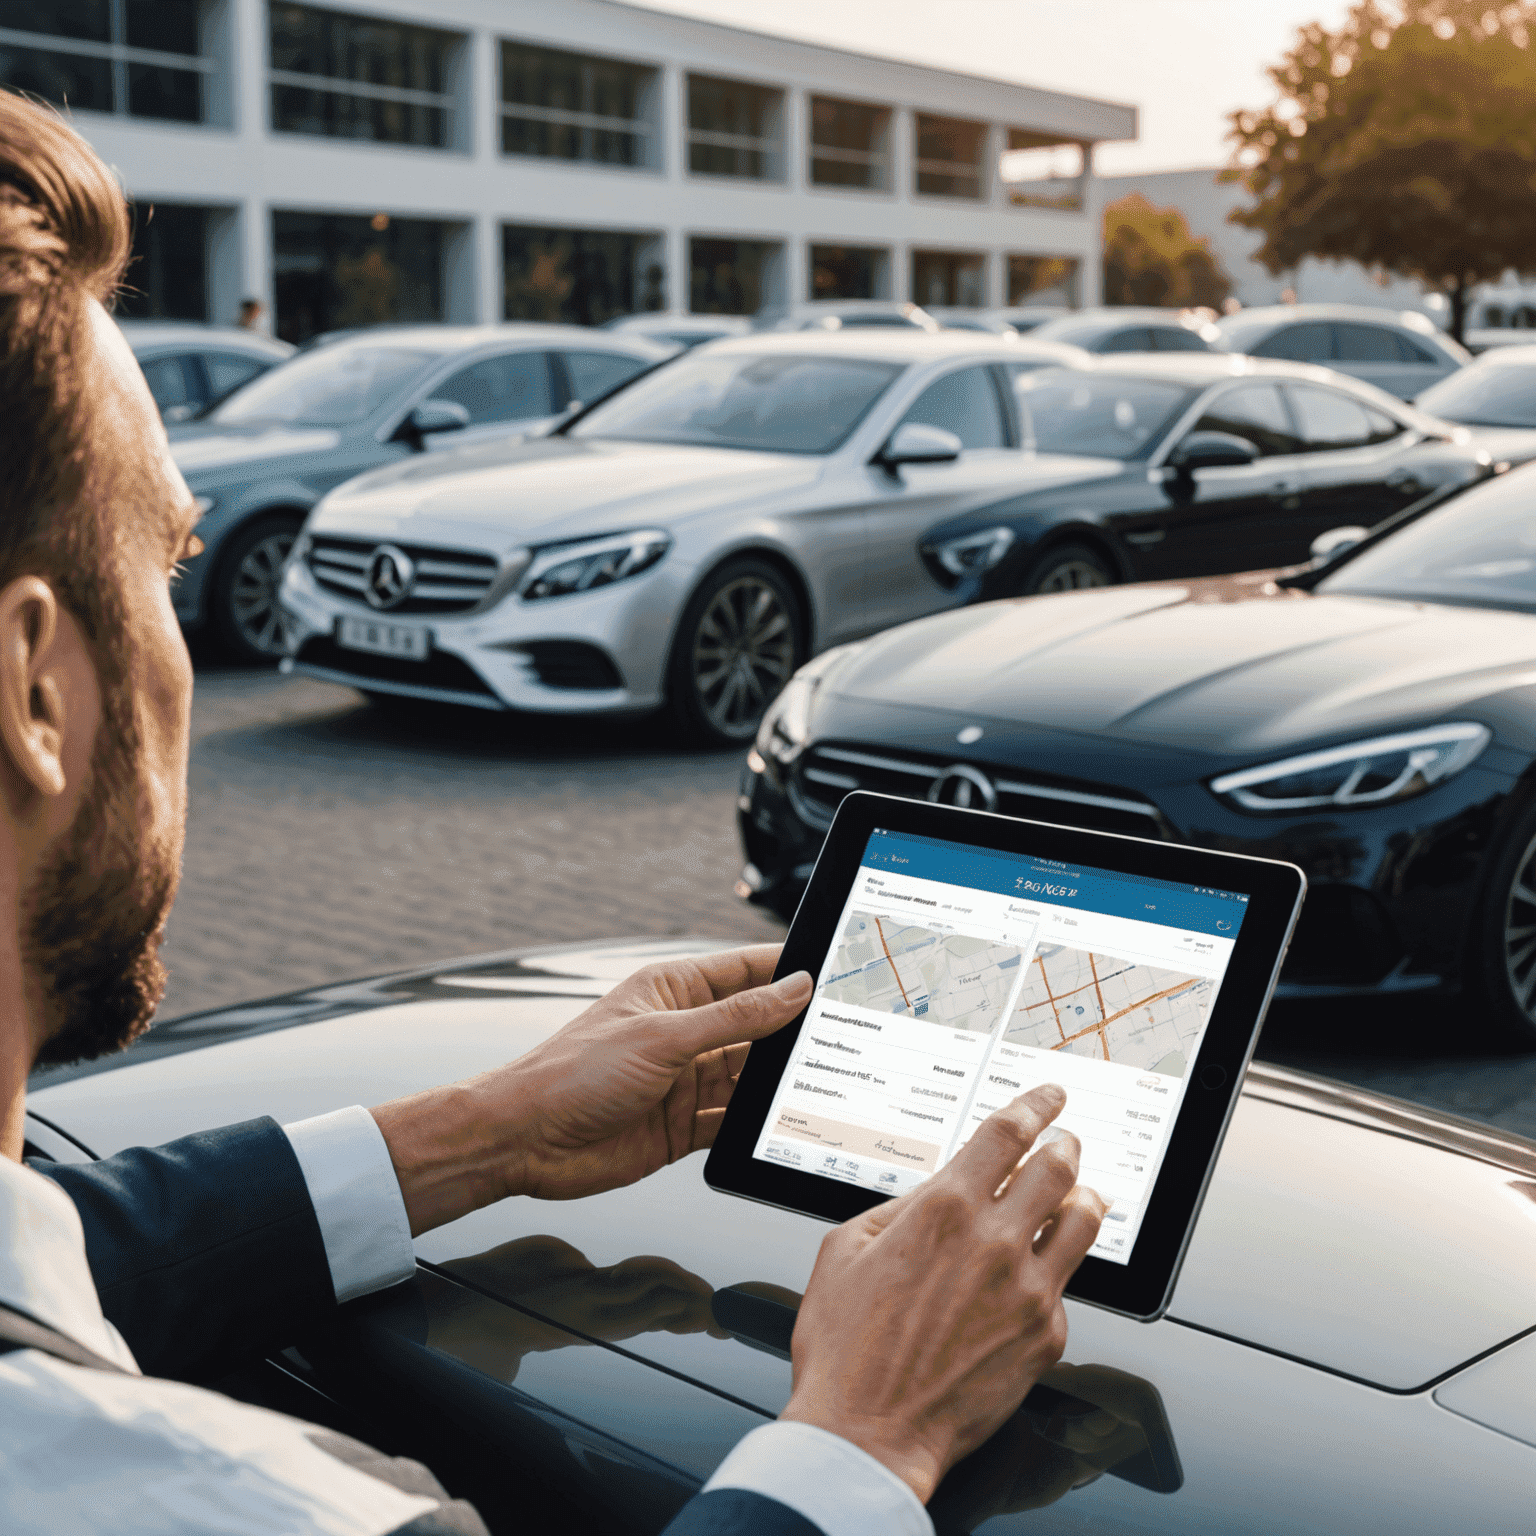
<point>961,958</point>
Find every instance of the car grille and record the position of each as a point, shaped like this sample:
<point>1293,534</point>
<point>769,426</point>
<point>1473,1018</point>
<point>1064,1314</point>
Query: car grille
<point>447,580</point>
<point>827,772</point>
<point>570,664</point>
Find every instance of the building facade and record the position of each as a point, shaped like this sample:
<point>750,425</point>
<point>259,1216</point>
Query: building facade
<point>475,160</point>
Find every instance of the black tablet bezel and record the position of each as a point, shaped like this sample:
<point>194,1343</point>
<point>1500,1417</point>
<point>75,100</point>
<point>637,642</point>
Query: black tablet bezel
<point>1140,1288</point>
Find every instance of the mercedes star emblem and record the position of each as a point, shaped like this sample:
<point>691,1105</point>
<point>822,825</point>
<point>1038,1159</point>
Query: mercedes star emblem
<point>963,786</point>
<point>389,576</point>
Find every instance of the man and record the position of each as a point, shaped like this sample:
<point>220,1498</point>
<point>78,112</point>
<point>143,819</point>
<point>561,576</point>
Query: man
<point>924,1323</point>
<point>250,315</point>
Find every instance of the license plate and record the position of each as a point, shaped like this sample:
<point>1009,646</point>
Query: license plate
<point>409,641</point>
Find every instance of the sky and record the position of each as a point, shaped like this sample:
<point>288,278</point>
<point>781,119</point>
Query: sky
<point>1185,63</point>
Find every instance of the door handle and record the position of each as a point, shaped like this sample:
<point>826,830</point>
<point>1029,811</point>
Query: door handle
<point>1286,487</point>
<point>1152,536</point>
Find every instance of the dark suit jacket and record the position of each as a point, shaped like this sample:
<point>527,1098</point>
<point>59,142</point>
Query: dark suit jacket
<point>207,1254</point>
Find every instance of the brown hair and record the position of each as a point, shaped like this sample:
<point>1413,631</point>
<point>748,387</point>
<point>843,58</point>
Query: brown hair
<point>64,239</point>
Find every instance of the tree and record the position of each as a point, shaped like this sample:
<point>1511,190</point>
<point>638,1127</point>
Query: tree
<point>1150,257</point>
<point>1405,140</point>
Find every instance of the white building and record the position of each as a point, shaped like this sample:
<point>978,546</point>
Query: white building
<point>480,159</point>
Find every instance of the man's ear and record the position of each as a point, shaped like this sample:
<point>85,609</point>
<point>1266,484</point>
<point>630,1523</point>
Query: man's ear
<point>41,660</point>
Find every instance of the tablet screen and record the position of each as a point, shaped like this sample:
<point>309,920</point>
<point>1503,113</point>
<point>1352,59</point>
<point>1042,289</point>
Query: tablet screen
<point>960,976</point>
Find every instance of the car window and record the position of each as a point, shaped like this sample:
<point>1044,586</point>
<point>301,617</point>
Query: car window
<point>774,403</point>
<point>512,387</point>
<point>1256,413</point>
<point>1176,338</point>
<point>1309,343</point>
<point>167,382</point>
<point>593,374</point>
<point>1416,352</point>
<point>332,387</point>
<point>229,370</point>
<point>1136,338</point>
<point>1488,394</point>
<point>1365,344</point>
<point>964,402</point>
<point>1383,427</point>
<point>1098,416</point>
<point>1328,421</point>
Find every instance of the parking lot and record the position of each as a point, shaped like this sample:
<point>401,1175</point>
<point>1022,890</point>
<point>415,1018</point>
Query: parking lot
<point>329,839</point>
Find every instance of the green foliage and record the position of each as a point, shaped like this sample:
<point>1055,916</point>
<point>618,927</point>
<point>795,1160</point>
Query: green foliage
<point>1405,140</point>
<point>1150,257</point>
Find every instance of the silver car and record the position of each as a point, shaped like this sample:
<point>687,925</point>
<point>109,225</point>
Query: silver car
<point>189,367</point>
<point>260,460</point>
<point>690,541</point>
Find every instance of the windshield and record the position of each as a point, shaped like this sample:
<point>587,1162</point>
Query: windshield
<point>771,404</point>
<point>333,387</point>
<point>1102,418</point>
<point>1479,548</point>
<point>1485,395</point>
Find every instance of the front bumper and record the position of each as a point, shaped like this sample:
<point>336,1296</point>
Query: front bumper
<point>598,652</point>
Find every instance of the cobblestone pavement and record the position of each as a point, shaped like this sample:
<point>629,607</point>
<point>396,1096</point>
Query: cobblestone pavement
<point>328,839</point>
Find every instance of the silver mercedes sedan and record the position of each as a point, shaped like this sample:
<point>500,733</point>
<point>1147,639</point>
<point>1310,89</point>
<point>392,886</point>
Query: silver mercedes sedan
<point>687,542</point>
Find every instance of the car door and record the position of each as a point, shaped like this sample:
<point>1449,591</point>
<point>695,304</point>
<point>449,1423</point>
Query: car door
<point>591,374</point>
<point>505,393</point>
<point>1209,521</point>
<point>906,502</point>
<point>1351,473</point>
<point>1373,353</point>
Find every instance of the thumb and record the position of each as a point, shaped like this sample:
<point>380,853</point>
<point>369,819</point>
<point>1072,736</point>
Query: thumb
<point>746,1015</point>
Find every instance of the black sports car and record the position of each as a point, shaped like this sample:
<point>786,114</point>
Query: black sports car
<point>1372,720</point>
<point>1349,1348</point>
<point>1198,464</point>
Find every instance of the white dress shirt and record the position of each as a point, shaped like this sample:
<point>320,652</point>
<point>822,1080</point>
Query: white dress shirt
<point>176,1460</point>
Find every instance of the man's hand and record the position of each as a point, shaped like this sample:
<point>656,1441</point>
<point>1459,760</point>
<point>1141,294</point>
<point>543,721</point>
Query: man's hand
<point>928,1319</point>
<point>639,1080</point>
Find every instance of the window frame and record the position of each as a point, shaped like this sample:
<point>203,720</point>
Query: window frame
<point>773,150</point>
<point>955,170</point>
<point>882,163</point>
<point>647,131</point>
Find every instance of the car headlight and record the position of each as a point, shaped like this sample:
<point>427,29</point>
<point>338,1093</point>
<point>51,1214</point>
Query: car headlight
<point>580,567</point>
<point>786,726</point>
<point>968,554</point>
<point>1362,773</point>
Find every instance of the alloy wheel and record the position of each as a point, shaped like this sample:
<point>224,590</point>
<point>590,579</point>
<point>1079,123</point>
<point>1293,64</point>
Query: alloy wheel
<point>253,593</point>
<point>743,654</point>
<point>1520,933</point>
<point>1072,576</point>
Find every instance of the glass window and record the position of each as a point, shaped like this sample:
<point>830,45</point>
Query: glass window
<point>167,274</point>
<point>572,106</point>
<point>227,371</point>
<point>1042,280</point>
<point>1328,421</point>
<point>1415,351</point>
<point>333,387</point>
<point>1040,170</point>
<point>1309,343</point>
<point>950,152</point>
<point>115,59</point>
<point>847,271</point>
<point>773,404</point>
<point>167,382</point>
<point>1176,338</point>
<point>1488,394</point>
<point>1099,417</point>
<point>1134,338</point>
<point>1256,413</point>
<point>735,129</point>
<point>514,387</point>
<point>728,277</point>
<point>965,403</point>
<point>579,276</point>
<point>1383,427</point>
<point>1365,344</point>
<point>360,77</point>
<point>949,277</point>
<point>593,374</point>
<point>850,144</point>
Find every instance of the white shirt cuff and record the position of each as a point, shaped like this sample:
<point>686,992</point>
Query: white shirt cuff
<point>825,1478</point>
<point>357,1200</point>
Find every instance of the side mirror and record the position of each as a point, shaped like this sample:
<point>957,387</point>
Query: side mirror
<point>429,418</point>
<point>1327,546</point>
<point>913,443</point>
<point>1211,450</point>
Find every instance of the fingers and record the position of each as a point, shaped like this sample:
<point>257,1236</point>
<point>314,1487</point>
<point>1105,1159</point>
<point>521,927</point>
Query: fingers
<point>743,1015</point>
<point>987,1159</point>
<point>731,970</point>
<point>1041,1185</point>
<point>1071,1232</point>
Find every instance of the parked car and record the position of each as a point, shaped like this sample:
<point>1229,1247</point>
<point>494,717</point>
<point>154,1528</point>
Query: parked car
<point>689,542</point>
<point>683,330</point>
<point>1496,391</point>
<point>260,460</point>
<point>1372,720</point>
<point>1122,328</point>
<point>190,367</point>
<point>1194,465</point>
<point>844,314</point>
<point>1349,1348</point>
<point>1400,351</point>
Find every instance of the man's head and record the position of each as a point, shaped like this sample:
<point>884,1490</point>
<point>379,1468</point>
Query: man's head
<point>95,683</point>
<point>250,313</point>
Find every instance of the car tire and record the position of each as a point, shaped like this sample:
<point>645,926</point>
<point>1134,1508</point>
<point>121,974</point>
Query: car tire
<point>1502,967</point>
<point>740,640</point>
<point>1067,568</point>
<point>244,596</point>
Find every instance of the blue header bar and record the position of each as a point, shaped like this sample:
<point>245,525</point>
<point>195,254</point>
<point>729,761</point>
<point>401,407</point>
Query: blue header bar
<point>1197,908</point>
